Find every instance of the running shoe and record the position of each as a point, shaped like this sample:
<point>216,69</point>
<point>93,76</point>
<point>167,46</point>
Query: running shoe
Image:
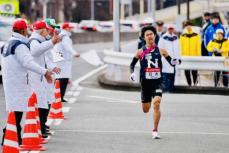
<point>155,135</point>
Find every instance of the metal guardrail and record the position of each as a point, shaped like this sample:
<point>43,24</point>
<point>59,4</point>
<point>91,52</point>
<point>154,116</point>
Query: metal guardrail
<point>190,63</point>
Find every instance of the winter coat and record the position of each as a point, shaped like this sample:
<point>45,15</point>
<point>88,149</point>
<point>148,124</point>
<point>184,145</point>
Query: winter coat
<point>38,46</point>
<point>222,45</point>
<point>49,87</point>
<point>15,75</point>
<point>190,44</point>
<point>65,48</point>
<point>171,44</point>
<point>209,33</point>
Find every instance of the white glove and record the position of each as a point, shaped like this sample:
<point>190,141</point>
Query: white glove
<point>174,62</point>
<point>132,76</point>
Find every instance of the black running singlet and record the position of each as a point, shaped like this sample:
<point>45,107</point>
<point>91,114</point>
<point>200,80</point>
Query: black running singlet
<point>151,65</point>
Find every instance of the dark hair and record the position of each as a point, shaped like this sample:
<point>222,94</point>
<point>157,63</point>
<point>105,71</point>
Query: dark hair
<point>159,23</point>
<point>215,15</point>
<point>207,14</point>
<point>144,29</point>
<point>18,31</point>
<point>187,23</point>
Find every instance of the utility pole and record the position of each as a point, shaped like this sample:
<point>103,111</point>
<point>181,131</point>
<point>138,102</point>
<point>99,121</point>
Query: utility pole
<point>45,2</point>
<point>149,10</point>
<point>141,8</point>
<point>92,9</point>
<point>178,7</point>
<point>122,10</point>
<point>153,13</point>
<point>131,8</point>
<point>188,10</point>
<point>116,33</point>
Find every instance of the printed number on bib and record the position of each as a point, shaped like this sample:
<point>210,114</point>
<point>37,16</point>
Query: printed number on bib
<point>152,73</point>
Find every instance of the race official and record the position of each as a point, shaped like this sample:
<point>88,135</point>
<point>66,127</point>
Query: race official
<point>40,43</point>
<point>67,52</point>
<point>16,61</point>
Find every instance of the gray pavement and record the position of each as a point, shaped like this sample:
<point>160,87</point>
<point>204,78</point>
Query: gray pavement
<point>111,121</point>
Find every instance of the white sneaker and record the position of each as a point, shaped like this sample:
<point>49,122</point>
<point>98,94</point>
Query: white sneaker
<point>155,135</point>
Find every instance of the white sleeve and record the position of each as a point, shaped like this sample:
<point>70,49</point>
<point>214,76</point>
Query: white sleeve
<point>24,57</point>
<point>161,43</point>
<point>38,48</point>
<point>67,45</point>
<point>49,60</point>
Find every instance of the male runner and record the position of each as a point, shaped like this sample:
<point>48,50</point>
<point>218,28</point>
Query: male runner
<point>150,74</point>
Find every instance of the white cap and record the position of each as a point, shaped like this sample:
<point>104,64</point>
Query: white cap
<point>219,31</point>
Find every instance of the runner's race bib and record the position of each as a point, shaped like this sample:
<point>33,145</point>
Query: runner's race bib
<point>153,73</point>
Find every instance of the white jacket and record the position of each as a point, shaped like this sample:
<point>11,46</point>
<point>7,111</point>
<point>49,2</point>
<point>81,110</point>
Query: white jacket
<point>15,80</point>
<point>65,48</point>
<point>171,44</point>
<point>37,81</point>
<point>49,87</point>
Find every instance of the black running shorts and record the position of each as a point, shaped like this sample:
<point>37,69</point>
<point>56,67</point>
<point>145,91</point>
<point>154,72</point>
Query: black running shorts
<point>150,89</point>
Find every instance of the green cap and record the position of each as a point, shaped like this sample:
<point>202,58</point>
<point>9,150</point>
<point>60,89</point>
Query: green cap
<point>52,23</point>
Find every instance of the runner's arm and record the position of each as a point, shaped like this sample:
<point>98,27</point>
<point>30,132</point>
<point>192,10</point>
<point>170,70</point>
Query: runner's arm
<point>167,57</point>
<point>134,61</point>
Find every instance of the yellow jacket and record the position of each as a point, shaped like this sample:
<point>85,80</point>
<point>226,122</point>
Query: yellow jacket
<point>222,45</point>
<point>190,44</point>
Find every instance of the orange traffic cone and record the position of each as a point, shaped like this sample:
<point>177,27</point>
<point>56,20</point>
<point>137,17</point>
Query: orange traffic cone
<point>30,139</point>
<point>56,108</point>
<point>10,144</point>
<point>41,139</point>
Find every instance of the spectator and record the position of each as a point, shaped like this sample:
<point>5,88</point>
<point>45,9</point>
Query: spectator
<point>211,30</point>
<point>206,24</point>
<point>170,42</point>
<point>219,47</point>
<point>190,46</point>
<point>160,30</point>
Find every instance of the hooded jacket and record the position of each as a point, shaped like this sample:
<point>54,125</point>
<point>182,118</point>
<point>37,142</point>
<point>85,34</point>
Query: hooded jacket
<point>15,79</point>
<point>222,45</point>
<point>171,44</point>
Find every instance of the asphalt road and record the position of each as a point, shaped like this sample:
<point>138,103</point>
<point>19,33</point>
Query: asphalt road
<point>102,120</point>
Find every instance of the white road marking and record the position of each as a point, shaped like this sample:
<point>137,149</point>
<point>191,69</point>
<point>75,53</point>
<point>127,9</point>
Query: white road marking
<point>72,100</point>
<point>66,109</point>
<point>76,82</point>
<point>146,132</point>
<point>74,87</point>
<point>114,100</point>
